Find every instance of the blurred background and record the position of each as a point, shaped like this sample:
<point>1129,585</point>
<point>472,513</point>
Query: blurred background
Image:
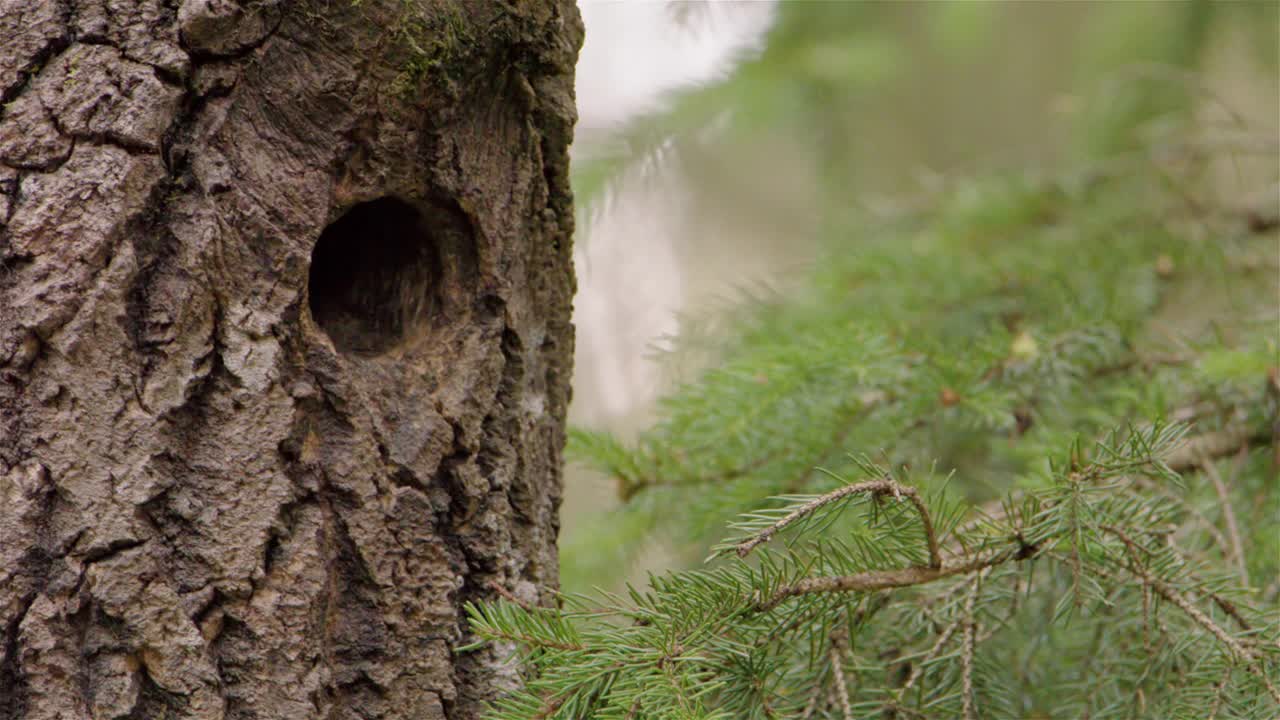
<point>717,141</point>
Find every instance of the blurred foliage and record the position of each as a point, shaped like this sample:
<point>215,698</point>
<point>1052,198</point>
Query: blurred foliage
<point>819,81</point>
<point>823,71</point>
<point>831,70</point>
<point>979,336</point>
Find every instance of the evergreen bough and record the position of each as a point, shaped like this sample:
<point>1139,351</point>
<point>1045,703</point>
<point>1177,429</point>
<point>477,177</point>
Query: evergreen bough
<point>1093,363</point>
<point>1010,455</point>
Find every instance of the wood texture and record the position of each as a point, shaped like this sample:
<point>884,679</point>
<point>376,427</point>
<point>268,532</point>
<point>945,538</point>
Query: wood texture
<point>234,484</point>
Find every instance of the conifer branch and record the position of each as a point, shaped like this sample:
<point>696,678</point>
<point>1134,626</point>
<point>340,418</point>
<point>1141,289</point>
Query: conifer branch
<point>873,487</point>
<point>886,579</point>
<point>1189,456</point>
<point>928,376</point>
<point>1176,598</point>
<point>1238,650</point>
<point>537,642</point>
<point>1230,609</point>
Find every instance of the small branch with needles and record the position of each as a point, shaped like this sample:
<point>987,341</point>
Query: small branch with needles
<point>877,488</point>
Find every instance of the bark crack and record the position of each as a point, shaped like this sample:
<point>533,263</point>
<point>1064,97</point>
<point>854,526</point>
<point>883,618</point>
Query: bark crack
<point>112,550</point>
<point>41,58</point>
<point>13,700</point>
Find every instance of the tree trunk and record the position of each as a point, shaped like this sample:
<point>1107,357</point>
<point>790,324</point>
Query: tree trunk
<point>284,349</point>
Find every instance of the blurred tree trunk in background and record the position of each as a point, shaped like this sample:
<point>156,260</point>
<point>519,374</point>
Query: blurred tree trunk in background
<point>284,349</point>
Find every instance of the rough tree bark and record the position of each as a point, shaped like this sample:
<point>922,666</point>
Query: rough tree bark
<point>284,349</point>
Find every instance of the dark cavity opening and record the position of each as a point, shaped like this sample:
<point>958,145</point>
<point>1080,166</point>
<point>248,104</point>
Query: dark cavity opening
<point>375,277</point>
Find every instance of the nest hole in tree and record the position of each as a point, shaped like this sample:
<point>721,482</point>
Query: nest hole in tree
<point>376,276</point>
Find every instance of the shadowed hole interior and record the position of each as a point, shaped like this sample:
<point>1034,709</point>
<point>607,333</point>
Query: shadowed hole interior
<point>374,276</point>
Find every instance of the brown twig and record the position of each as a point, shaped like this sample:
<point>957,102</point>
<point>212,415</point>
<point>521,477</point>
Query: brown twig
<point>842,688</point>
<point>1230,609</point>
<point>885,579</point>
<point>1168,593</point>
<point>872,487</point>
<point>1229,517</point>
<point>1161,588</point>
<point>966,654</point>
